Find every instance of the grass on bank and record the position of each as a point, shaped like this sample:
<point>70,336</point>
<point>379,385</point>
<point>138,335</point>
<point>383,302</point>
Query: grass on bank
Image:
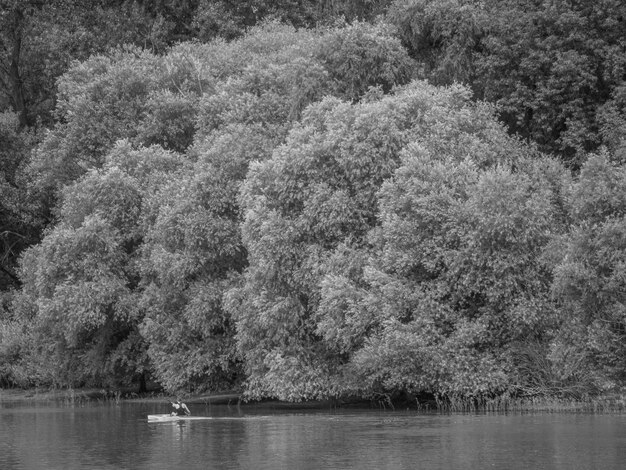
<point>608,403</point>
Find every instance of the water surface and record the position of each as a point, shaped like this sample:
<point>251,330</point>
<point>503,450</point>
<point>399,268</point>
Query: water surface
<point>110,436</point>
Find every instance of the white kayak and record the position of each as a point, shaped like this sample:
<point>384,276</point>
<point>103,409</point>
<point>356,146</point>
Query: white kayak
<point>167,418</point>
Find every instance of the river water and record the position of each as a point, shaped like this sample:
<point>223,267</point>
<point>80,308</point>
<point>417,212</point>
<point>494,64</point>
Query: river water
<point>118,436</point>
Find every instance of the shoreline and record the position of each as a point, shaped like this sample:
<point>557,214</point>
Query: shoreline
<point>610,403</point>
<point>227,398</point>
<point>8,395</point>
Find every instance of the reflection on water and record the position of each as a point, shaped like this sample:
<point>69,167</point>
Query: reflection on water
<point>108,436</point>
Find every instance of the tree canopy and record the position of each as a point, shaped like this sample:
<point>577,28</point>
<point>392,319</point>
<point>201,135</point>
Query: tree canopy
<point>550,65</point>
<point>314,200</point>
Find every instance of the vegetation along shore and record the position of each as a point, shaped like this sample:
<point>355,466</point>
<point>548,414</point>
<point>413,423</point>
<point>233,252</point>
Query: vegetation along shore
<point>407,201</point>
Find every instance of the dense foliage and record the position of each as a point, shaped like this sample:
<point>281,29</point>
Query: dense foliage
<point>259,195</point>
<point>551,65</point>
<point>143,169</point>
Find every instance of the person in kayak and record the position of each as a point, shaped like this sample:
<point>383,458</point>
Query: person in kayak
<point>180,409</point>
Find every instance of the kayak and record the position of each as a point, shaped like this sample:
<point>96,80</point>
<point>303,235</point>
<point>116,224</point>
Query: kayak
<point>168,418</point>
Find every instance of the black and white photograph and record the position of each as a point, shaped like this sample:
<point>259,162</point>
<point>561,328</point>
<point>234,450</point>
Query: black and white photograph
<point>312,234</point>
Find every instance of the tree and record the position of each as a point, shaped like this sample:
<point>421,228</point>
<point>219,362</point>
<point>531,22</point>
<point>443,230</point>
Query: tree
<point>11,21</point>
<point>312,211</point>
<point>82,306</point>
<point>443,36</point>
<point>191,254</point>
<point>41,38</point>
<point>296,209</point>
<point>80,283</point>
<point>362,55</point>
<point>396,244</point>
<point>97,102</point>
<point>549,66</point>
<point>589,275</point>
<point>458,274</point>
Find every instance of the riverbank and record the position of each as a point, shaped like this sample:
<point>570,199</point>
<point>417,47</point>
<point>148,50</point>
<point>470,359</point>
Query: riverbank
<point>84,395</point>
<point>228,398</point>
<point>610,403</point>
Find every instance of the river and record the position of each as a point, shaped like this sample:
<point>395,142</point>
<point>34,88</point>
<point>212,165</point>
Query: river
<point>118,436</point>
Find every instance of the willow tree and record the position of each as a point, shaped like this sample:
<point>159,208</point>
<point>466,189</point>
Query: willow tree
<point>316,296</point>
<point>79,282</point>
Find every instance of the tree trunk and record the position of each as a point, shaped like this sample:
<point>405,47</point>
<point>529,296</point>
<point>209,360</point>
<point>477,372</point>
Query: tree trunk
<point>15,79</point>
<point>143,388</point>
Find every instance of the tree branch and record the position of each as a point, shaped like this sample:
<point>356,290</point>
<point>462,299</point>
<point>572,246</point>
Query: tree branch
<point>13,277</point>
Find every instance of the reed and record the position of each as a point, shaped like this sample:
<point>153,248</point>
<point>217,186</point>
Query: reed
<point>614,403</point>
